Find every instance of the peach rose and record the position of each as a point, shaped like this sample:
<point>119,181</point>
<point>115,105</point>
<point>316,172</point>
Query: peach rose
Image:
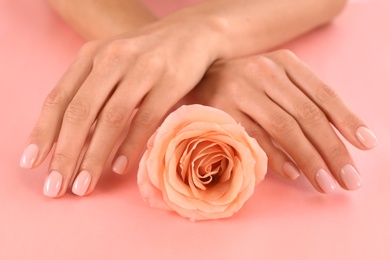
<point>201,164</point>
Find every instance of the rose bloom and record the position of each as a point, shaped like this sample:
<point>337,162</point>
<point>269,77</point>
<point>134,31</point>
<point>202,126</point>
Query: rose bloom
<point>201,164</point>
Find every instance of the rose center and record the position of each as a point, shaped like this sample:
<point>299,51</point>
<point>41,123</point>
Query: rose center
<point>210,173</point>
<point>203,163</point>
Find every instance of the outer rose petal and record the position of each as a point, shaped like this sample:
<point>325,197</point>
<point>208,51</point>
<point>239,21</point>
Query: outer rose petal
<point>164,187</point>
<point>148,191</point>
<point>257,153</point>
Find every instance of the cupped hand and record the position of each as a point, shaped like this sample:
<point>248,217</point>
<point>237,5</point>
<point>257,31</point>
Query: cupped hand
<point>150,69</point>
<point>292,114</point>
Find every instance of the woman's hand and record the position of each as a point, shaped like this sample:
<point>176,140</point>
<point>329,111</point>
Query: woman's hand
<point>150,69</point>
<point>290,112</point>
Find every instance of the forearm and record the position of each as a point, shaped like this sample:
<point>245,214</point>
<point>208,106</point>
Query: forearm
<point>258,25</point>
<point>245,27</point>
<point>96,19</point>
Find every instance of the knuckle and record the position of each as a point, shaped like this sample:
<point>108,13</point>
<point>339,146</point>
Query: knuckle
<point>309,113</point>
<point>113,53</point>
<point>61,158</point>
<point>257,63</point>
<point>88,49</point>
<point>337,151</point>
<point>155,61</point>
<point>93,163</point>
<point>158,67</point>
<point>281,124</point>
<point>76,112</point>
<point>55,99</point>
<point>309,162</point>
<point>326,94</point>
<point>231,88</point>
<point>114,117</point>
<point>285,54</point>
<point>261,65</point>
<point>145,120</point>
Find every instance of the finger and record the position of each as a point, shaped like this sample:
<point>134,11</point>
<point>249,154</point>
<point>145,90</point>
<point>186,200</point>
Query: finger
<point>348,123</point>
<point>317,129</point>
<point>110,124</point>
<point>278,161</point>
<point>286,131</point>
<point>150,114</point>
<point>78,118</point>
<point>46,131</point>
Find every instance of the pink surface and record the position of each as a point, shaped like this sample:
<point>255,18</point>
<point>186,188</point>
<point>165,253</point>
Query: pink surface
<point>281,221</point>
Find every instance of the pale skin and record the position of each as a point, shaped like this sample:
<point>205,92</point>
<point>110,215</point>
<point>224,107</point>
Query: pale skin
<point>195,55</point>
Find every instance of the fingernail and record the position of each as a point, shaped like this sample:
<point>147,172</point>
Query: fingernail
<point>120,165</point>
<point>52,184</point>
<point>81,184</point>
<point>29,156</point>
<point>290,170</point>
<point>366,137</point>
<point>350,177</point>
<point>325,181</point>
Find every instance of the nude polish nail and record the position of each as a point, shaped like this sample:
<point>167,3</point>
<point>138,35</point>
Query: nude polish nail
<point>120,165</point>
<point>81,184</point>
<point>350,177</point>
<point>52,184</point>
<point>366,137</point>
<point>29,156</point>
<point>325,181</point>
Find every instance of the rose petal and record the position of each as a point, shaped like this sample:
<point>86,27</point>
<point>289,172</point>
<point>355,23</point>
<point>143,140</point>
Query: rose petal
<point>258,154</point>
<point>201,164</point>
<point>148,191</point>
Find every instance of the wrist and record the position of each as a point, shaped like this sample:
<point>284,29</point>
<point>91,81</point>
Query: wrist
<point>206,30</point>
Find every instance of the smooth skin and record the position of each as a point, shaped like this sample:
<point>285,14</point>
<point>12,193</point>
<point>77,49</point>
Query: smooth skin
<point>289,110</point>
<point>112,77</point>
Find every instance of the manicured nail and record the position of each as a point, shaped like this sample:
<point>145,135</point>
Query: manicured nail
<point>290,170</point>
<point>120,165</point>
<point>29,156</point>
<point>350,177</point>
<point>325,181</point>
<point>81,184</point>
<point>366,137</point>
<point>52,184</point>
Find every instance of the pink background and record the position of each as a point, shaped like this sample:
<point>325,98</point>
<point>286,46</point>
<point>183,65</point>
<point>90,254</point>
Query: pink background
<point>282,220</point>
